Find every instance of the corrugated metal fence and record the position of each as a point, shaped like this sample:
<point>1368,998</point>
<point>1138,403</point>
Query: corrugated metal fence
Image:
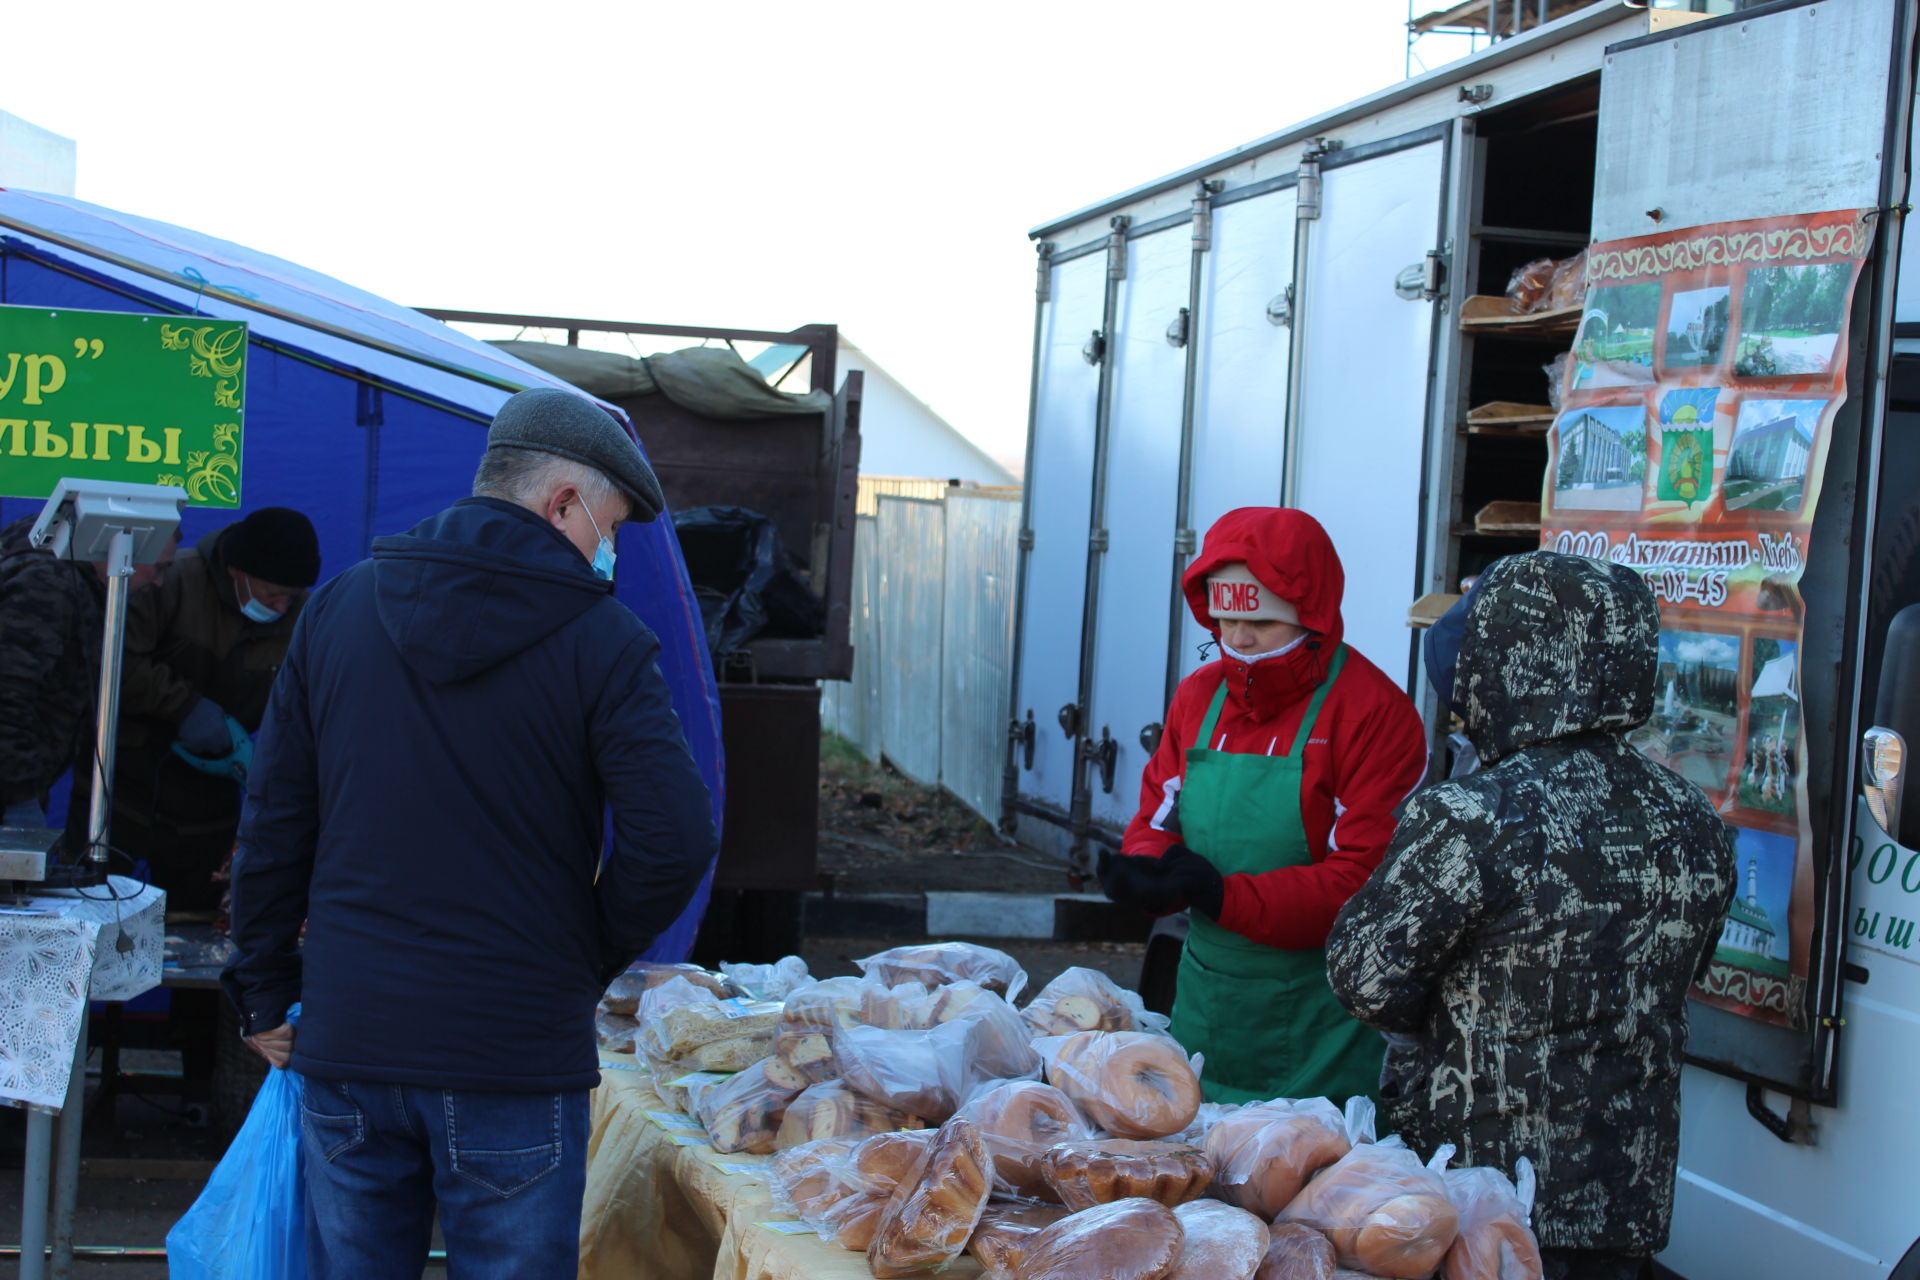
<point>933,640</point>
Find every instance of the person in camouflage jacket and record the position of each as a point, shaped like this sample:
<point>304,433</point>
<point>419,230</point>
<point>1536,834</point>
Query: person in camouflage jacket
<point>49,665</point>
<point>1531,936</point>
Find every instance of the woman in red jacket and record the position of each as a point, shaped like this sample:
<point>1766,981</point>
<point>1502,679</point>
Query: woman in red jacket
<point>1269,802</point>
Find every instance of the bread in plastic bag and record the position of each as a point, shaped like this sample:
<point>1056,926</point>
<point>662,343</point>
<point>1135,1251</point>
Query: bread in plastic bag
<point>1296,1251</point>
<point>841,1186</point>
<point>685,1027</point>
<point>927,1224</point>
<point>1125,1240</point>
<point>1569,285</point>
<point>1385,1212</point>
<point>1263,1154</point>
<point>744,1112</point>
<point>929,1072</point>
<point>831,1110</point>
<point>1021,1120</point>
<point>614,1032</point>
<point>803,1040</point>
<point>1082,999</point>
<point>1129,1083</point>
<point>1495,1241</point>
<point>1102,1170</point>
<point>624,992</point>
<point>1527,287</point>
<point>999,1244</point>
<point>936,964</point>
<point>1218,1242</point>
<point>774,981</point>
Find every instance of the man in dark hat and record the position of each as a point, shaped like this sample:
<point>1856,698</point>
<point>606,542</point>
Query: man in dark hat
<point>456,717</point>
<point>202,649</point>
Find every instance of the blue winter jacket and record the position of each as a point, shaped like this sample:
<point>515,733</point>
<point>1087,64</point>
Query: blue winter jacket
<point>427,794</point>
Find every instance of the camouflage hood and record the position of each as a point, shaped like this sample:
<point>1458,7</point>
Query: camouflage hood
<point>1555,646</point>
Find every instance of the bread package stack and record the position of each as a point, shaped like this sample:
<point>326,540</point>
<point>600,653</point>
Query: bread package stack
<point>1129,1083</point>
<point>685,1027</point>
<point>803,1040</point>
<point>1386,1213</point>
<point>616,1023</point>
<point>1087,1000</point>
<point>831,1110</point>
<point>929,1069</point>
<point>999,1244</point>
<point>1022,1120</point>
<point>937,964</point>
<point>1495,1240</point>
<point>927,1224</point>
<point>744,1111</point>
<point>841,1187</point>
<point>1264,1153</point>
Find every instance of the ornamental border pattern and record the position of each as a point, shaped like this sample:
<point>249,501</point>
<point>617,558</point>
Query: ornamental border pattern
<point>1844,241</point>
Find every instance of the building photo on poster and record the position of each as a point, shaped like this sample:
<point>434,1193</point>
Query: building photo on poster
<point>1688,444</point>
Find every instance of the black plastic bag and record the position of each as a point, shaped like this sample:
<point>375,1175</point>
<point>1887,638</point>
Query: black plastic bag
<point>747,583</point>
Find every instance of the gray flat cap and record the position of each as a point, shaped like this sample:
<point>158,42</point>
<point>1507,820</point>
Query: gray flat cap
<point>549,420</point>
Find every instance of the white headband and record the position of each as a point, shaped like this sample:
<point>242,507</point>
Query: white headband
<point>1233,592</point>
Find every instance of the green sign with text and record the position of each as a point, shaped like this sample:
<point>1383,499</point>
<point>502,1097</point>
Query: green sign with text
<point>109,395</point>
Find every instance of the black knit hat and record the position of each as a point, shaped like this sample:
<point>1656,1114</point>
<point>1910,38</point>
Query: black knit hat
<point>549,420</point>
<point>274,544</point>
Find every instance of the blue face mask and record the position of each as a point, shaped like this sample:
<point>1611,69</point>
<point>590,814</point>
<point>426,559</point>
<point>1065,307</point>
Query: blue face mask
<point>603,555</point>
<point>256,611</point>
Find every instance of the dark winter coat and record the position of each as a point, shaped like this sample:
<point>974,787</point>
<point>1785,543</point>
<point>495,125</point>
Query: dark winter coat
<point>1535,928</point>
<point>428,790</point>
<point>49,663</point>
<point>187,640</point>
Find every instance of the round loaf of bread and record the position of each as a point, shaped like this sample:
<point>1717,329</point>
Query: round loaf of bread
<point>1495,1249</point>
<point>1124,1240</point>
<point>1218,1242</point>
<point>888,1159</point>
<point>1297,1252</point>
<point>1262,1155</point>
<point>1021,1121</point>
<point>1402,1238</point>
<point>1130,1083</point>
<point>1102,1170</point>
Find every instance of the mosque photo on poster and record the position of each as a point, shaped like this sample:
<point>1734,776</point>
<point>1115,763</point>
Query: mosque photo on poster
<point>1696,707</point>
<point>1755,935</point>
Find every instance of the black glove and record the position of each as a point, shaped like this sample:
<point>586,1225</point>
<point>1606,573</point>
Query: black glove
<point>1140,883</point>
<point>1196,880</point>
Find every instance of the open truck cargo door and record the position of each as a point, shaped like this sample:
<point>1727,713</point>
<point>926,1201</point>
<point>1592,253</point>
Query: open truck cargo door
<point>1746,167</point>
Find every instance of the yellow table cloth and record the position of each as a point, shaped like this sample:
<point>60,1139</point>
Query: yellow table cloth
<point>659,1210</point>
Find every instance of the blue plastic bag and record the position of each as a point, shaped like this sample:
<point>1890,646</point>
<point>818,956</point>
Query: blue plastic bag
<point>250,1222</point>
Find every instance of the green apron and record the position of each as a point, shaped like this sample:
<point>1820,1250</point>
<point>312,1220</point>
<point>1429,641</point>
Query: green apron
<point>1265,1018</point>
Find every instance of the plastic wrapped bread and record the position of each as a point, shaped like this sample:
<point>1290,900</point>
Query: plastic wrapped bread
<point>624,992</point>
<point>744,1113</point>
<point>1296,1252</point>
<point>1385,1212</point>
<point>1218,1242</point>
<point>841,1187</point>
<point>939,963</point>
<point>1083,999</point>
<point>927,1225</point>
<point>686,1027</point>
<point>1124,1240</point>
<point>1496,1241</point>
<point>999,1244</point>
<point>614,1032</point>
<point>1132,1084</point>
<point>1022,1120</point>
<point>929,1072</point>
<point>1102,1170</point>
<point>831,1110</point>
<point>774,981</point>
<point>1263,1154</point>
<point>803,1040</point>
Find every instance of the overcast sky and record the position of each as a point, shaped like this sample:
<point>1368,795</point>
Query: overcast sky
<point>874,165</point>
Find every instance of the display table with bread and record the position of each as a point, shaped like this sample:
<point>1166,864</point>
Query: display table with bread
<point>916,1121</point>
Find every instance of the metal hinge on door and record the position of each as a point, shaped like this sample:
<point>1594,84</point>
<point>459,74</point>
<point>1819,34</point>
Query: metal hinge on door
<point>1425,280</point>
<point>1097,540</point>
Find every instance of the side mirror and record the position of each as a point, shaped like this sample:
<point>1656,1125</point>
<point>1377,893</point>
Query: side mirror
<point>1891,784</point>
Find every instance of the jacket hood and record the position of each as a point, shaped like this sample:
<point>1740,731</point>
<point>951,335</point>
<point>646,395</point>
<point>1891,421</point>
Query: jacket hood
<point>1555,646</point>
<point>464,591</point>
<point>1288,552</point>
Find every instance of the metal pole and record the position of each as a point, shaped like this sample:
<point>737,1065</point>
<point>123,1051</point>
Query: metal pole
<point>1306,213</point>
<point>66,1173</point>
<point>1010,775</point>
<point>1183,534</point>
<point>34,1196</point>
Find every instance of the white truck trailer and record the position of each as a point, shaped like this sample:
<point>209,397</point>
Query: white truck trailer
<point>1283,324</point>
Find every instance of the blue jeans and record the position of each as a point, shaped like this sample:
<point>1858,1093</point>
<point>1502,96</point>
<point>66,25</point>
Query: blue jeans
<point>507,1171</point>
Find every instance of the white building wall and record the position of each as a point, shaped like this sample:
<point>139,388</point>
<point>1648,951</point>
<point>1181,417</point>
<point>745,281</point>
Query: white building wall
<point>33,159</point>
<point>901,436</point>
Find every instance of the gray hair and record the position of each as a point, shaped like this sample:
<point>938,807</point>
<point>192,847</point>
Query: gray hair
<point>526,476</point>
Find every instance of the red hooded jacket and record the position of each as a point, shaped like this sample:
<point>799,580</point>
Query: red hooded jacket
<point>1367,754</point>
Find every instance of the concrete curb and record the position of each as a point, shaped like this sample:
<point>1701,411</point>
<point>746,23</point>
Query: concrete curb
<point>1064,917</point>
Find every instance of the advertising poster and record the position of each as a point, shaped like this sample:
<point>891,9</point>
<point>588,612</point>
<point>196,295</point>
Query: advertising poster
<point>121,396</point>
<point>1689,443</point>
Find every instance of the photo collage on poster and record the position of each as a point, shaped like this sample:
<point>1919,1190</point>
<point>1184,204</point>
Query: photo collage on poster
<point>1689,442</point>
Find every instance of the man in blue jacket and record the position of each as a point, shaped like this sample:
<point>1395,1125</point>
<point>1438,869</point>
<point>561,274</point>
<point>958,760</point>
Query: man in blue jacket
<point>427,795</point>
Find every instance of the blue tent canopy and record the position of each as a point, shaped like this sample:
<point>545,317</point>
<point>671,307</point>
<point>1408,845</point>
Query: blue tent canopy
<point>364,414</point>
